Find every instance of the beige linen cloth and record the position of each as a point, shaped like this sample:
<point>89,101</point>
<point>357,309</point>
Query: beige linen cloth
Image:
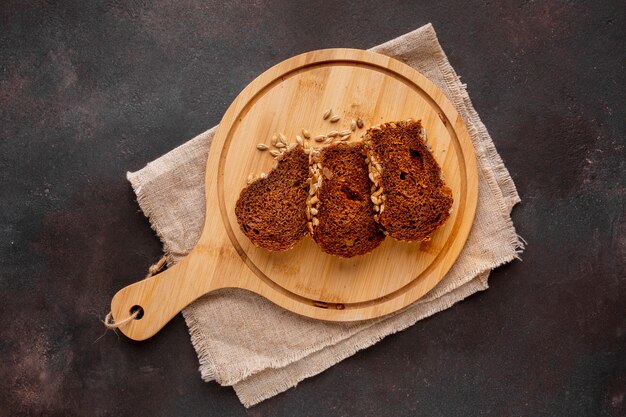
<point>257,347</point>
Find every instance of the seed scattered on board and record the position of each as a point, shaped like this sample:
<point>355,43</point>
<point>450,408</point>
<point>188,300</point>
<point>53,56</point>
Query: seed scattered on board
<point>279,140</point>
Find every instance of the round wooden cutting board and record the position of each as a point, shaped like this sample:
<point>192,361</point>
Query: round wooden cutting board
<point>287,98</point>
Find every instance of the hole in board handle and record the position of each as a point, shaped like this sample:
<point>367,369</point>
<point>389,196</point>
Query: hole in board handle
<point>135,308</point>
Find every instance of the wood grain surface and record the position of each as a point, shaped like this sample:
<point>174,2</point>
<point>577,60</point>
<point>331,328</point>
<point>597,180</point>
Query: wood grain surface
<point>287,98</point>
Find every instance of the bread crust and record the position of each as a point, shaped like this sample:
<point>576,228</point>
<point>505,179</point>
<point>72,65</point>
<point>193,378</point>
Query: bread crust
<point>410,196</point>
<point>271,211</point>
<point>339,205</point>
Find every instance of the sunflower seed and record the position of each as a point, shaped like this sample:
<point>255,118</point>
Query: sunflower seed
<point>382,207</point>
<point>262,175</point>
<point>327,114</point>
<point>328,141</point>
<point>332,133</point>
<point>371,175</point>
<point>359,123</point>
<point>353,125</point>
<point>250,179</point>
<point>291,146</point>
<point>376,208</point>
<point>313,189</point>
<point>344,132</point>
<point>319,138</point>
<point>375,200</point>
<point>280,145</point>
<point>262,147</point>
<point>274,153</point>
<point>306,133</point>
<point>378,192</point>
<point>274,140</point>
<point>314,200</point>
<point>314,211</point>
<point>282,138</point>
<point>335,118</point>
<point>315,222</point>
<point>310,226</point>
<point>299,139</point>
<point>344,138</point>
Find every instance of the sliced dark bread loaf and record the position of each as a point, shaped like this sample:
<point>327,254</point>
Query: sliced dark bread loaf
<point>271,211</point>
<point>410,197</point>
<point>339,208</point>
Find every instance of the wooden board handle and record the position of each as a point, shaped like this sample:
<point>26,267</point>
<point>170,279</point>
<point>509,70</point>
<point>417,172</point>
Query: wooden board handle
<point>161,296</point>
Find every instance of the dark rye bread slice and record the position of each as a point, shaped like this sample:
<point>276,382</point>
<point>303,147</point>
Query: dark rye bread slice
<point>411,196</point>
<point>272,211</point>
<point>340,207</point>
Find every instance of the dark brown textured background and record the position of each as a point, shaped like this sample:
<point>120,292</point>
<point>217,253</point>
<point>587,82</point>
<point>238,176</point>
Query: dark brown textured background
<point>90,90</point>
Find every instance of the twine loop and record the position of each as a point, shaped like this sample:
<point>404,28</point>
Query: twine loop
<point>155,268</point>
<point>110,323</point>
